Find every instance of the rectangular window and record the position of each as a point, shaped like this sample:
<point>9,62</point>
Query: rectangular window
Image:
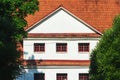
<point>83,76</point>
<point>39,76</point>
<point>83,47</point>
<point>61,76</point>
<point>61,47</point>
<point>39,47</point>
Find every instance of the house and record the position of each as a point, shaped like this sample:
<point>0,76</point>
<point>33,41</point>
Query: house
<point>62,36</point>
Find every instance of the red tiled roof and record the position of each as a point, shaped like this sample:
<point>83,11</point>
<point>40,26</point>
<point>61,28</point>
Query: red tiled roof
<point>64,35</point>
<point>56,62</point>
<point>97,13</point>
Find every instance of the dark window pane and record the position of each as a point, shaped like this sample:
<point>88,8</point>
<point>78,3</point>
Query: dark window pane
<point>61,76</point>
<point>83,76</point>
<point>61,47</point>
<point>39,47</point>
<point>39,76</point>
<point>83,47</point>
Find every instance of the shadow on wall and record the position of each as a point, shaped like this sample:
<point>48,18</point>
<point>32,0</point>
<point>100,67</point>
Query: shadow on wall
<point>29,71</point>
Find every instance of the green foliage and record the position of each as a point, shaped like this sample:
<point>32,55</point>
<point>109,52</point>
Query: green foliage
<point>105,58</point>
<point>18,7</point>
<point>9,59</point>
<point>12,23</point>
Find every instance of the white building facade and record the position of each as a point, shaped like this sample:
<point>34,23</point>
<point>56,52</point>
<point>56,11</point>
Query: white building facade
<point>58,47</point>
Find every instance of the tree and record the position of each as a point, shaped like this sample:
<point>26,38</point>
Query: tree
<point>105,58</point>
<point>12,23</point>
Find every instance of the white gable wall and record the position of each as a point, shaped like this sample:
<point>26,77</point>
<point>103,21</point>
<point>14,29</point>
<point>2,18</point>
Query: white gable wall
<point>61,22</point>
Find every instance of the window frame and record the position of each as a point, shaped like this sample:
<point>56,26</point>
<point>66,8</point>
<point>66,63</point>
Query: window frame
<point>62,76</point>
<point>39,47</point>
<point>83,47</point>
<point>61,47</point>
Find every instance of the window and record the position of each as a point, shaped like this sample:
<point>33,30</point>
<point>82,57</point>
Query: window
<point>39,47</point>
<point>83,47</point>
<point>83,76</point>
<point>61,76</point>
<point>61,47</point>
<point>39,76</point>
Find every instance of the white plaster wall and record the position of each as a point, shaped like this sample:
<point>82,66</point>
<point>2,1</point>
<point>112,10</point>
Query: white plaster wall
<point>50,49</point>
<point>50,74</point>
<point>61,22</point>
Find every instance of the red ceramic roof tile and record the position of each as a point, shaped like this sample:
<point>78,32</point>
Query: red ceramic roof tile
<point>97,13</point>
